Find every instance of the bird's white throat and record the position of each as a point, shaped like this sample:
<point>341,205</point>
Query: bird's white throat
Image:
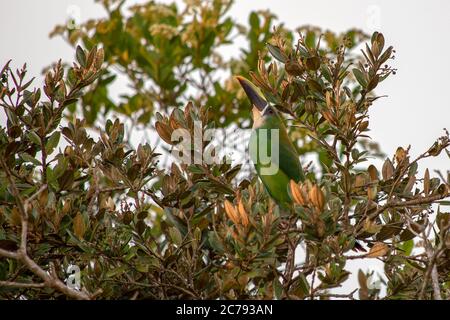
<point>258,118</point>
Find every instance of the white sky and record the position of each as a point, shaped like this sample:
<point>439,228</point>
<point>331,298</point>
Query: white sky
<point>417,107</point>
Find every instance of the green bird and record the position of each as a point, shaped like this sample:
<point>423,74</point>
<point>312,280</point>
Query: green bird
<point>274,156</point>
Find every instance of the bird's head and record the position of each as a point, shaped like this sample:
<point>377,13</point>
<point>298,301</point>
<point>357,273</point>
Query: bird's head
<point>261,109</point>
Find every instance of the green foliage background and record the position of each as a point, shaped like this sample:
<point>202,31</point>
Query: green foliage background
<point>75,190</point>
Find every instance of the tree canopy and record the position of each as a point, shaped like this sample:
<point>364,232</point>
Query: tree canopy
<point>87,213</point>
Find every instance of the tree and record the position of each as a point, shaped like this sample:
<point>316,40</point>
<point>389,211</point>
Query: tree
<point>134,228</point>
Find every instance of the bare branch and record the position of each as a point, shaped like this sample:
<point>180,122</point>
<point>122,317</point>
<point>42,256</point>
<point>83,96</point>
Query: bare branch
<point>21,285</point>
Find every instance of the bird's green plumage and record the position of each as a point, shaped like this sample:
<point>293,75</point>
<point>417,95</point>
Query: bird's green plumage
<point>286,161</point>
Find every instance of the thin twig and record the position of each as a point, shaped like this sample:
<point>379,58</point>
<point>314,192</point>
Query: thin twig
<point>21,284</point>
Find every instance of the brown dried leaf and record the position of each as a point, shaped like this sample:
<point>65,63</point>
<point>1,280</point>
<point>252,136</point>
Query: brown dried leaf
<point>360,181</point>
<point>231,212</point>
<point>79,227</point>
<point>15,218</point>
<point>373,173</point>
<point>363,289</point>
<point>164,132</point>
<point>388,169</point>
<point>426,182</point>
<point>372,192</point>
<point>379,249</point>
<point>363,126</point>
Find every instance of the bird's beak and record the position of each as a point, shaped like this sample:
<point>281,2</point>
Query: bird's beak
<point>253,93</point>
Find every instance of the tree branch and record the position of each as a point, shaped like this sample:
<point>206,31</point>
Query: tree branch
<point>21,254</point>
<point>21,284</point>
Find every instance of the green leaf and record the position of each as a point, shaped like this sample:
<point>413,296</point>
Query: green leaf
<point>33,137</point>
<point>386,55</point>
<point>175,221</point>
<point>326,73</point>
<point>413,169</point>
<point>360,77</point>
<point>142,266</point>
<point>81,56</point>
<point>52,142</point>
<point>27,158</point>
<point>195,169</point>
<point>276,53</point>
<point>254,21</point>
<point>214,242</point>
<point>303,283</point>
<point>310,39</point>
<point>277,288</point>
<point>175,235</point>
<point>116,271</point>
<point>373,83</point>
<point>355,154</point>
<point>312,63</point>
<point>407,246</point>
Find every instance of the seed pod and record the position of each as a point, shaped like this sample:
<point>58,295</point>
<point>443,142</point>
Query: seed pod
<point>312,63</point>
<point>317,197</point>
<point>66,207</point>
<point>68,151</point>
<point>231,212</point>
<point>304,188</point>
<point>310,106</point>
<point>293,68</point>
<point>426,182</point>
<point>296,193</point>
<point>242,213</point>
<point>320,227</point>
<point>373,173</point>
<point>388,169</point>
<point>400,155</point>
<point>363,126</point>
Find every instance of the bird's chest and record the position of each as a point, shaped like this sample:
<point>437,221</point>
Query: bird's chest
<point>264,146</point>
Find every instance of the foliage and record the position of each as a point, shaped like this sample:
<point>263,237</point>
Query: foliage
<point>139,230</point>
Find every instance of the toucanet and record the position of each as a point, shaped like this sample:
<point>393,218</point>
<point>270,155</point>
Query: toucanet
<point>272,152</point>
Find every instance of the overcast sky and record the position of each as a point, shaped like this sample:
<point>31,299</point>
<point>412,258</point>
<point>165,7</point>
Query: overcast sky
<point>415,111</point>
